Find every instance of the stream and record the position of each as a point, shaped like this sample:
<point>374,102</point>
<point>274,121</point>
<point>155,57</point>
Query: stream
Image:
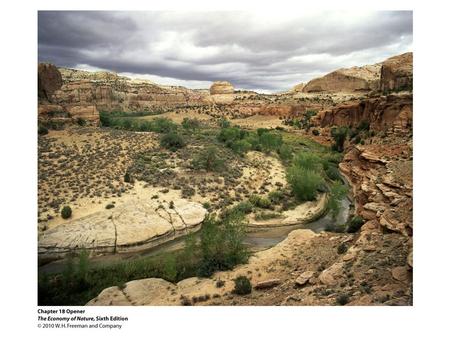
<point>256,240</point>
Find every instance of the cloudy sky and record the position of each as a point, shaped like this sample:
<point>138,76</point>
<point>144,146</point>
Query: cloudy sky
<point>262,51</point>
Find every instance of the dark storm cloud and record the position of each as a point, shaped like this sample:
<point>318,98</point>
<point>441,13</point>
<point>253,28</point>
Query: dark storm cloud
<point>251,50</point>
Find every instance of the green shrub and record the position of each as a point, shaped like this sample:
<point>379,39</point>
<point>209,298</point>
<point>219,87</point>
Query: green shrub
<point>42,130</point>
<point>276,196</point>
<point>259,201</point>
<point>308,161</point>
<point>221,243</point>
<point>355,224</point>
<point>224,123</point>
<point>342,248</point>
<point>190,124</point>
<point>244,207</point>
<point>262,216</point>
<point>338,192</point>
<point>339,135</point>
<point>66,212</point>
<point>270,141</point>
<point>285,152</point>
<point>304,183</point>
<point>241,146</point>
<point>127,178</point>
<point>209,160</point>
<point>172,141</point>
<point>333,173</point>
<point>81,122</point>
<point>163,125</point>
<point>342,299</point>
<point>242,286</point>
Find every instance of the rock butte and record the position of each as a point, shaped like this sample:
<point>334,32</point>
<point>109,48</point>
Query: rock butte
<point>135,225</point>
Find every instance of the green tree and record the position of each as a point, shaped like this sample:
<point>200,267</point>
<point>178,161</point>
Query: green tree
<point>339,135</point>
<point>338,192</point>
<point>304,182</point>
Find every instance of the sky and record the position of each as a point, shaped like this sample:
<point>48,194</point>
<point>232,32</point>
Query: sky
<point>261,51</point>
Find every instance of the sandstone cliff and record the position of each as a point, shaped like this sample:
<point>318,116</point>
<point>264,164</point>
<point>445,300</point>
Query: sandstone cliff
<point>389,113</point>
<point>353,79</point>
<point>397,73</point>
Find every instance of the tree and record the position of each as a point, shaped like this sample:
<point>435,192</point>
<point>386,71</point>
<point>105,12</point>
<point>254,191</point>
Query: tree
<point>307,160</point>
<point>338,191</point>
<point>304,182</point>
<point>339,135</point>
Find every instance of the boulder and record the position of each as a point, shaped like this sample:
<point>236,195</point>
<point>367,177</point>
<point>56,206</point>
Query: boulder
<point>304,278</point>
<point>267,284</point>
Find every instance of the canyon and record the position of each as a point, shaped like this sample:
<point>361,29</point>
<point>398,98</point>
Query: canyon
<point>371,266</point>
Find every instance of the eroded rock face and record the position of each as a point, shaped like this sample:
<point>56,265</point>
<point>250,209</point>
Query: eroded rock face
<point>355,79</point>
<point>397,73</point>
<point>221,87</point>
<point>131,226</point>
<point>49,80</point>
<point>391,113</point>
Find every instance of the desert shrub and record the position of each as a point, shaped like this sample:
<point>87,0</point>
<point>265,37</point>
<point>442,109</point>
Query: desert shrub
<point>224,123</point>
<point>342,248</point>
<point>127,178</point>
<point>242,286</point>
<point>110,206</point>
<point>207,205</point>
<point>259,201</point>
<point>261,131</point>
<point>42,130</point>
<point>332,172</point>
<point>172,141</point>
<point>363,125</point>
<point>338,192</point>
<point>355,224</point>
<point>304,182</point>
<point>244,207</point>
<point>270,141</point>
<point>190,124</point>
<point>339,135</point>
<point>316,132</point>
<point>209,160</point>
<point>342,299</point>
<point>285,152</point>
<point>170,268</point>
<point>163,125</point>
<point>241,146</point>
<point>262,216</point>
<point>276,196</point>
<point>221,243</point>
<point>230,134</point>
<point>66,212</point>
<point>81,122</point>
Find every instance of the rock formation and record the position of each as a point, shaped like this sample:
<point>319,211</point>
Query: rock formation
<point>221,87</point>
<point>355,79</point>
<point>391,113</point>
<point>397,73</point>
<point>49,80</point>
<point>135,225</point>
